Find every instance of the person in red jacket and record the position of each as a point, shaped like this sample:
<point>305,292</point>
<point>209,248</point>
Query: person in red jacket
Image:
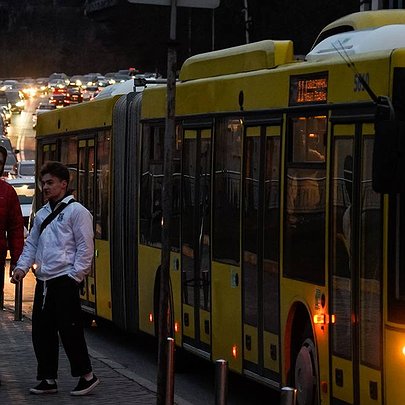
<point>11,225</point>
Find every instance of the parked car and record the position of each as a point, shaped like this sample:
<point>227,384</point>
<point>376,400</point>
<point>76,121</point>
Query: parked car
<point>25,190</point>
<point>9,167</point>
<point>25,169</point>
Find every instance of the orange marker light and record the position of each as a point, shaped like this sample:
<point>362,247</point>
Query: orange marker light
<point>403,350</point>
<point>150,317</point>
<point>235,351</point>
<point>176,327</point>
<point>333,318</point>
<point>319,319</point>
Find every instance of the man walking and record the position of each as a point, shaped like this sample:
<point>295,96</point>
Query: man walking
<point>61,245</point>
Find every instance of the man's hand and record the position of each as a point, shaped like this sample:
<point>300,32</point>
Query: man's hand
<point>17,276</point>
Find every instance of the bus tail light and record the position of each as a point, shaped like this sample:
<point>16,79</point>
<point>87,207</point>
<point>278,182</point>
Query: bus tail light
<point>151,317</point>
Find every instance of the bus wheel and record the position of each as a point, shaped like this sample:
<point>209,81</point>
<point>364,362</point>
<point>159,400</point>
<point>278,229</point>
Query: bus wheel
<point>305,374</point>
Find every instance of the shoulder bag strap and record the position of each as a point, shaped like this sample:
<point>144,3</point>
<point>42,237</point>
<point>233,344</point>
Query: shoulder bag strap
<point>54,214</point>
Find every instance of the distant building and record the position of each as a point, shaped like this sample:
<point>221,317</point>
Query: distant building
<point>381,4</point>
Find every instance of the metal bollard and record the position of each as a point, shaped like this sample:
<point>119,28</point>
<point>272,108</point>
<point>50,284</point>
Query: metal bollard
<point>170,372</point>
<point>288,396</point>
<point>18,301</point>
<point>221,382</point>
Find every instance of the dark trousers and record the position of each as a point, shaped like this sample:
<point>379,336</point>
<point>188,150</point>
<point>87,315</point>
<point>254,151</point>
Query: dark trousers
<point>59,313</point>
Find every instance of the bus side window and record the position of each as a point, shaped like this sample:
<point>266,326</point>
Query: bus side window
<point>304,236</point>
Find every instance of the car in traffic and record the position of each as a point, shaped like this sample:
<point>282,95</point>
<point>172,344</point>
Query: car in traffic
<point>5,111</point>
<point>16,101</point>
<point>90,92</point>
<point>25,169</point>
<point>58,97</point>
<point>25,189</point>
<point>9,167</point>
<point>42,107</point>
<point>10,85</point>
<point>73,95</point>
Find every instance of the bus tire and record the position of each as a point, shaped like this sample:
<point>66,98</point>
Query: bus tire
<point>306,374</point>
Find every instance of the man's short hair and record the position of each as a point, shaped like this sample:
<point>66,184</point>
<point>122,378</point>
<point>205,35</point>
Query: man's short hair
<point>56,169</point>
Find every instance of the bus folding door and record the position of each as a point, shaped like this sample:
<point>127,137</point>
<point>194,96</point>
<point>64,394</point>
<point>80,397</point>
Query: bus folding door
<point>195,239</point>
<point>260,251</point>
<point>356,269</point>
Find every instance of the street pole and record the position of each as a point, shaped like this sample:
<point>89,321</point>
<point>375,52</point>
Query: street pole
<point>167,209</point>
<point>245,11</point>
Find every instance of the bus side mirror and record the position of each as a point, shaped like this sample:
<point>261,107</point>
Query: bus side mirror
<point>388,156</point>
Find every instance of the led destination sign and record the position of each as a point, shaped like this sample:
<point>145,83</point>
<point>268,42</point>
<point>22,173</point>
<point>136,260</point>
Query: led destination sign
<point>309,89</point>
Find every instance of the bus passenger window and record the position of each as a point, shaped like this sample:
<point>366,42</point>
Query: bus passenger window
<point>151,186</point>
<point>227,191</point>
<point>309,139</point>
<point>304,236</point>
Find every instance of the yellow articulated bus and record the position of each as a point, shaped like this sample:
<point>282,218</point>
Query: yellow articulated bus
<point>288,216</point>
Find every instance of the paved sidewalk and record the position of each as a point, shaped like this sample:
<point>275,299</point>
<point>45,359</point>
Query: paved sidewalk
<point>18,368</point>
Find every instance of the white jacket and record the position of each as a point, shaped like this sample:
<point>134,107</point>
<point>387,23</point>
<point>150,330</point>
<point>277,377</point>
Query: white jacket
<point>65,247</point>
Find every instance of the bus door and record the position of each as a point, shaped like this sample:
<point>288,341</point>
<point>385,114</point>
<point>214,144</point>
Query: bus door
<point>260,250</point>
<point>195,238</point>
<point>86,196</point>
<point>355,269</point>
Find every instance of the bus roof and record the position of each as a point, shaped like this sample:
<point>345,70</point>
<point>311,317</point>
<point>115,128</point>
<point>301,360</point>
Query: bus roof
<point>95,114</point>
<point>360,21</point>
<point>245,58</point>
<point>347,44</point>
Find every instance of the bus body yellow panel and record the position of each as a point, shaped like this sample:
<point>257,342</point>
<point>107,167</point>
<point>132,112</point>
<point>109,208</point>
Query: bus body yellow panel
<point>271,361</point>
<point>103,279</point>
<point>205,319</point>
<point>148,263</point>
<point>370,380</point>
<point>342,83</point>
<point>344,389</point>
<point>250,354</point>
<point>226,314</point>
<point>189,329</point>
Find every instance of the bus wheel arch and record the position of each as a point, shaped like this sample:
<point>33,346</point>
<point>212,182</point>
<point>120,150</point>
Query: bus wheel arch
<point>301,356</point>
